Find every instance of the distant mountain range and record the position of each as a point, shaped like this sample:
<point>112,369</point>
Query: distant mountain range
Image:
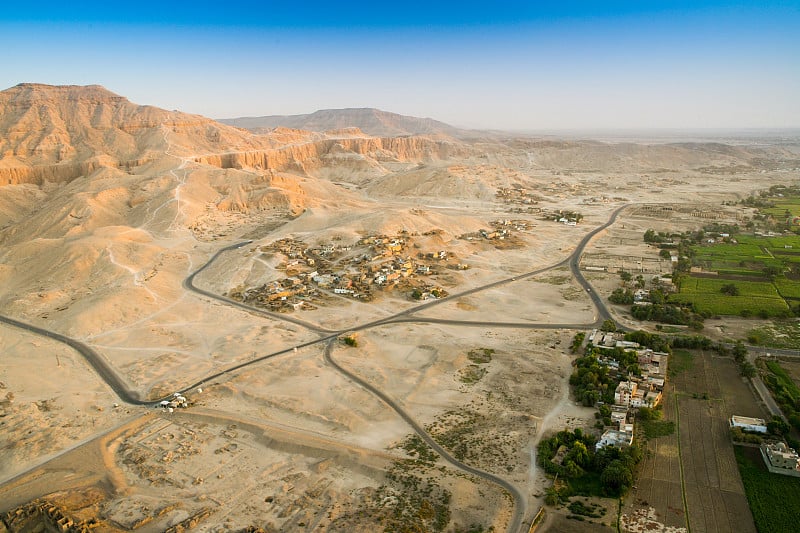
<point>370,121</point>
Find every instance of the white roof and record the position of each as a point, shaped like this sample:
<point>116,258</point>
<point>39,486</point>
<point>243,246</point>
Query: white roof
<point>747,420</point>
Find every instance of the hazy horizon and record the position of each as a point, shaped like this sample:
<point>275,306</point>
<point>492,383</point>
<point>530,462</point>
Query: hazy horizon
<point>574,66</point>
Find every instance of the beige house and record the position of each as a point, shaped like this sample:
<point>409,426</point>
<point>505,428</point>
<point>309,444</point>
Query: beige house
<point>780,456</point>
<point>625,392</point>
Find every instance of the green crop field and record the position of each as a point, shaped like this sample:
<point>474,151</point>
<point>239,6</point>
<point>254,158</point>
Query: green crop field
<point>788,288</point>
<point>733,305</point>
<point>739,272</point>
<point>783,241</point>
<point>781,206</point>
<point>760,289</point>
<point>744,259</point>
<point>752,257</point>
<point>774,499</point>
<point>730,253</point>
<point>755,297</point>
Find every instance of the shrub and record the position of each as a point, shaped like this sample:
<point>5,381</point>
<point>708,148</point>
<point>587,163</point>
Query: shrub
<point>608,325</point>
<point>730,289</point>
<point>350,340</point>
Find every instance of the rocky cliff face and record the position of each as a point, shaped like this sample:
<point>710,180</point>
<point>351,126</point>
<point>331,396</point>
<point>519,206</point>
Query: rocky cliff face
<point>57,133</point>
<point>311,156</point>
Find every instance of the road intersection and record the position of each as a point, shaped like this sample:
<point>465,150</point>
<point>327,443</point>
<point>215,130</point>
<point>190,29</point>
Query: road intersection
<point>327,337</point>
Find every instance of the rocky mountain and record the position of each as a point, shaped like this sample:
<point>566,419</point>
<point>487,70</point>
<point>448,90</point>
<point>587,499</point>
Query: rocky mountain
<point>56,133</point>
<point>371,121</point>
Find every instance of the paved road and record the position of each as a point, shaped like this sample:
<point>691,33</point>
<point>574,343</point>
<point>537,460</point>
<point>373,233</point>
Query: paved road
<point>520,503</point>
<point>188,284</point>
<point>763,392</point>
<point>575,262</point>
<point>97,361</point>
<point>763,351</point>
<point>107,373</point>
<point>766,397</point>
<point>488,324</point>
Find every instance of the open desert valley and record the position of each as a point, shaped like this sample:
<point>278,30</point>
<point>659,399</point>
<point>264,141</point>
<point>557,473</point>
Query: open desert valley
<point>349,321</point>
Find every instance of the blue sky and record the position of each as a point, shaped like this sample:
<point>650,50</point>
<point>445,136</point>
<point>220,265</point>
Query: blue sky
<point>512,65</point>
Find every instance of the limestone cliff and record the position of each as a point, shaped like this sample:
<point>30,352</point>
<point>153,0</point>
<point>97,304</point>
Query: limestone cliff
<point>57,133</point>
<point>310,156</point>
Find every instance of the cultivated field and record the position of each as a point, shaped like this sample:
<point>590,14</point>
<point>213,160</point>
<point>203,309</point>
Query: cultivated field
<point>690,479</point>
<point>766,489</point>
<point>758,268</point>
<point>755,297</point>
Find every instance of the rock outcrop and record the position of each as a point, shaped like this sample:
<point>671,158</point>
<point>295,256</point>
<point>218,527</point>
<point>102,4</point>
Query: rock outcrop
<point>310,156</point>
<point>57,133</point>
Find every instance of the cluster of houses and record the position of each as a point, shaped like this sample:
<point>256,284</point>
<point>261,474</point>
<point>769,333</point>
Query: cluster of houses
<point>516,195</point>
<point>515,224</point>
<point>500,230</point>
<point>568,218</point>
<point>778,457</point>
<point>355,271</point>
<point>177,401</point>
<point>644,390</point>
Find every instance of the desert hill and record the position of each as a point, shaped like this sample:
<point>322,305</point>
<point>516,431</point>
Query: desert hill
<point>369,120</point>
<point>102,199</point>
<point>56,133</point>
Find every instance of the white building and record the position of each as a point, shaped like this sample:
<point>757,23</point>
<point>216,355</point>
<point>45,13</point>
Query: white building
<point>756,425</point>
<point>781,459</point>
<point>341,290</point>
<point>615,437</point>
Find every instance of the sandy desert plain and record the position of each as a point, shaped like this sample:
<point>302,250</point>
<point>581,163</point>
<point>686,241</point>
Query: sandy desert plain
<point>107,207</point>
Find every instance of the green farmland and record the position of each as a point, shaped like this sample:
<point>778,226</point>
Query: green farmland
<point>706,297</point>
<point>764,270</point>
<point>774,499</point>
<point>747,258</point>
<point>784,207</point>
<point>787,288</point>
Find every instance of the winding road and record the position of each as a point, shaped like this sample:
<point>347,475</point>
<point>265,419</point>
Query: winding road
<point>127,395</point>
<point>516,494</point>
<point>99,363</point>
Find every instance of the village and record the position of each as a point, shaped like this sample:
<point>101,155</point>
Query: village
<point>635,391</point>
<point>373,265</point>
<point>519,196</point>
<point>645,390</point>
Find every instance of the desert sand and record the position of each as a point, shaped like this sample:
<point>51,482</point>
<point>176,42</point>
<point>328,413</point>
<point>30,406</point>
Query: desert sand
<point>102,221</point>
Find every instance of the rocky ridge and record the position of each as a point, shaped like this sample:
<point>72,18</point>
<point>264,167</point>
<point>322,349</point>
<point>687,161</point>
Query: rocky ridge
<point>369,120</point>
